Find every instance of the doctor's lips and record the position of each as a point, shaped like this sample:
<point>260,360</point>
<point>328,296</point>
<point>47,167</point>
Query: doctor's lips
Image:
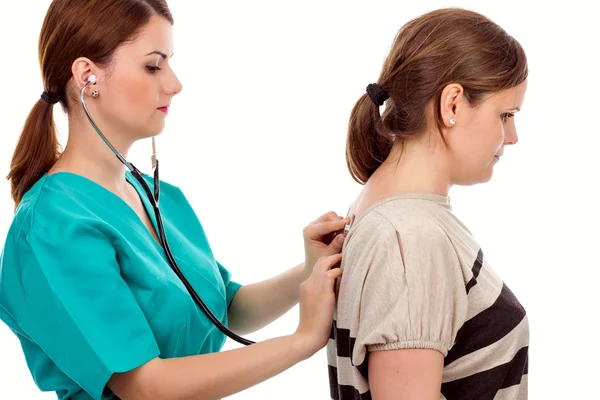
<point>164,109</point>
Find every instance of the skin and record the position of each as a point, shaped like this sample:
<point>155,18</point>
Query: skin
<point>132,88</point>
<point>474,145</point>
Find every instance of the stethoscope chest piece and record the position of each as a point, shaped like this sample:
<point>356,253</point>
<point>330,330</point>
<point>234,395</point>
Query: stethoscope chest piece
<point>348,226</point>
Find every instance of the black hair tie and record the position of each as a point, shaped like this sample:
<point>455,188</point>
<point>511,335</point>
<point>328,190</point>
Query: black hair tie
<point>49,99</point>
<point>377,94</point>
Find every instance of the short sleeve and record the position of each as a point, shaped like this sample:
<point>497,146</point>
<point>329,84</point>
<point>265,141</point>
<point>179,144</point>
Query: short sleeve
<point>79,310</point>
<point>231,287</point>
<point>413,294</point>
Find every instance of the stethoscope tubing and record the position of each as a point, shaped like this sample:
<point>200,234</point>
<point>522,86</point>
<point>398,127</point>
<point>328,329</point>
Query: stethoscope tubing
<point>153,198</point>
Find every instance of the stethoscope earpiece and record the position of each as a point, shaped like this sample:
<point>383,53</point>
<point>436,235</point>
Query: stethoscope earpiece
<point>92,79</point>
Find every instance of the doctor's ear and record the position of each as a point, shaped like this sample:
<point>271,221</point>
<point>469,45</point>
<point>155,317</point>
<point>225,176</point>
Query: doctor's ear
<point>84,70</point>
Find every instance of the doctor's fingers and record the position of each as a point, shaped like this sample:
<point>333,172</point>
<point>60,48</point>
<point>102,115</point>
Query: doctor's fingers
<point>320,229</point>
<point>328,216</point>
<point>337,244</point>
<point>326,268</point>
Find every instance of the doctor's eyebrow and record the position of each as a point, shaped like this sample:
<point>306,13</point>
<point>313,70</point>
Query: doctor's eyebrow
<point>160,53</point>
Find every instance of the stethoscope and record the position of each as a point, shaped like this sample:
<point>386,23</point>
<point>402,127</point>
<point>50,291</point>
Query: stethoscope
<point>153,198</point>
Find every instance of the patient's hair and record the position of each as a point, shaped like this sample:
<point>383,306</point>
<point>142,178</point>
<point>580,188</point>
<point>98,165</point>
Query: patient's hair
<point>445,46</point>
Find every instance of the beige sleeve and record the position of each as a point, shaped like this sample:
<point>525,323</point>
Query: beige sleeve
<point>413,295</point>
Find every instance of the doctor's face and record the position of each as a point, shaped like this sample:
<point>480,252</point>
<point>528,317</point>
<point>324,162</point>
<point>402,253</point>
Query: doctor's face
<point>139,85</point>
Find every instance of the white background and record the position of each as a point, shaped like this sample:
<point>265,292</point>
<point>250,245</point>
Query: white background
<point>256,140</point>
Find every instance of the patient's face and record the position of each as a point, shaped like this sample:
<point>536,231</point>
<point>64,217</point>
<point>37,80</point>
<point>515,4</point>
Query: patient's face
<point>477,140</point>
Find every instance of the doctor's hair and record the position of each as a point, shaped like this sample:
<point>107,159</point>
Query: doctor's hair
<point>450,45</point>
<point>72,29</point>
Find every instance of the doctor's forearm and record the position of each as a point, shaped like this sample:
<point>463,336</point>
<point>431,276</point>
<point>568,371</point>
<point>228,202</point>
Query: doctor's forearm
<point>258,304</point>
<point>215,375</point>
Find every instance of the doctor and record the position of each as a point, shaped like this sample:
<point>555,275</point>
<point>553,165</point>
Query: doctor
<point>85,282</point>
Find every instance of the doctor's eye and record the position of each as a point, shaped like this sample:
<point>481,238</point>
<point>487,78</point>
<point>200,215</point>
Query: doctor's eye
<point>152,68</point>
<point>506,116</point>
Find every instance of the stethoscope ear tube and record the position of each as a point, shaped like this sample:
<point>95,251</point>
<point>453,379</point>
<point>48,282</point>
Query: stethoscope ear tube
<point>163,238</point>
<point>153,198</point>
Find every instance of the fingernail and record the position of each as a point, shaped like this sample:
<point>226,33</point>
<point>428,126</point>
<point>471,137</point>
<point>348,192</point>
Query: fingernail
<point>341,238</point>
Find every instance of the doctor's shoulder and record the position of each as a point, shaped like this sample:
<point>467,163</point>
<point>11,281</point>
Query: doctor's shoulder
<point>56,207</point>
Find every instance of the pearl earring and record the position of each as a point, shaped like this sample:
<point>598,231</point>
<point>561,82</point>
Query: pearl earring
<point>95,93</point>
<point>452,121</point>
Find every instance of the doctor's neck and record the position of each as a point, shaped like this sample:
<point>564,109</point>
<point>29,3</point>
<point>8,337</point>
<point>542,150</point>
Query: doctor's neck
<point>86,153</point>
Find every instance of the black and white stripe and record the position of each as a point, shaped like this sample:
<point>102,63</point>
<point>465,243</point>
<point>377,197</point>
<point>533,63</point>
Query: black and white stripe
<point>478,377</point>
<point>476,270</point>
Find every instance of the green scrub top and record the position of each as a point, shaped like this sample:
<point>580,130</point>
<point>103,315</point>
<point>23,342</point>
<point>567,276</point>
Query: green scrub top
<point>89,292</point>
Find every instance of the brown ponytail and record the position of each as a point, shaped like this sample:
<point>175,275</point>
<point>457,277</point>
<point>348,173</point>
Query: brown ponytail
<point>36,151</point>
<point>367,146</point>
<point>72,29</point>
<point>450,45</point>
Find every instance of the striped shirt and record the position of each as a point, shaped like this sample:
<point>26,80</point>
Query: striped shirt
<point>414,277</point>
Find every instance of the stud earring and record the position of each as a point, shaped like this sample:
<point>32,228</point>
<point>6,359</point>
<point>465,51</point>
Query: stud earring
<point>95,93</point>
<point>452,121</point>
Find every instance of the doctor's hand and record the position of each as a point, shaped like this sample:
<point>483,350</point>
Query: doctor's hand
<point>322,238</point>
<point>317,299</point>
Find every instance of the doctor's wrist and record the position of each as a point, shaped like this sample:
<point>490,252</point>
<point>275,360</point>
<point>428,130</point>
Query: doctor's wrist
<point>304,346</point>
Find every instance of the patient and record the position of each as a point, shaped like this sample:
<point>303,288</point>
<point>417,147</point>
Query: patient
<point>420,313</point>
